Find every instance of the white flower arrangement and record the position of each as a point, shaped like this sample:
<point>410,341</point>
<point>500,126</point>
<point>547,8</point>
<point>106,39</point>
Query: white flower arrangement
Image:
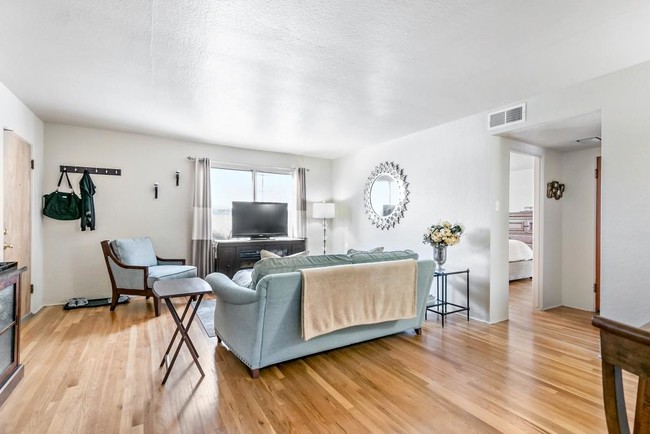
<point>443,234</point>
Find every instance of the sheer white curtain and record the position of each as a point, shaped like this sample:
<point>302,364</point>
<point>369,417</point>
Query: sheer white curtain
<point>202,252</point>
<point>299,220</point>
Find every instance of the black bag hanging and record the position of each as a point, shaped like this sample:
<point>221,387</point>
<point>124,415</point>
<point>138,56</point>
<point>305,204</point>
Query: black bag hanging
<point>62,206</point>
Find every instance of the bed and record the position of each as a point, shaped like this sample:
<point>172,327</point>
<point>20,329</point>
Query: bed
<point>520,228</point>
<point>521,260</point>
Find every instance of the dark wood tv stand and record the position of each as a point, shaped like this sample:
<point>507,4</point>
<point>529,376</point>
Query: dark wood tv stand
<point>235,255</point>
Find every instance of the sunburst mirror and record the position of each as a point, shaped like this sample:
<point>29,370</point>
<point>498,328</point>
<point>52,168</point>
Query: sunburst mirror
<point>385,195</point>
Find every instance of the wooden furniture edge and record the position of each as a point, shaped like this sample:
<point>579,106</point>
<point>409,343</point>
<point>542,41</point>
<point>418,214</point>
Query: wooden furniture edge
<point>11,383</point>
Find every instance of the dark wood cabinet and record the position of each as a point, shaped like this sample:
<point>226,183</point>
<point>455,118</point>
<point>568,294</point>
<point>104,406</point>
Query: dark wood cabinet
<point>11,371</point>
<point>235,255</point>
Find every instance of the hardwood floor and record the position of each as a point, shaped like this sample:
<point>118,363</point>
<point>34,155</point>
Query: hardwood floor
<point>90,370</point>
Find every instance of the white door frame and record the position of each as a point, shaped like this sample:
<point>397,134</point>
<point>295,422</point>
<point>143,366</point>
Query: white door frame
<point>538,224</point>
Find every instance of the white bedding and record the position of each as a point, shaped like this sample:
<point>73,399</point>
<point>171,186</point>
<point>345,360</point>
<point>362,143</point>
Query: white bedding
<point>521,260</point>
<point>519,251</point>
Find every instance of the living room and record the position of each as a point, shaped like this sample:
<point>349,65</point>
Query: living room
<point>455,167</point>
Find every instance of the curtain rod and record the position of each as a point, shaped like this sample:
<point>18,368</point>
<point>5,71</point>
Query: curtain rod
<point>243,166</point>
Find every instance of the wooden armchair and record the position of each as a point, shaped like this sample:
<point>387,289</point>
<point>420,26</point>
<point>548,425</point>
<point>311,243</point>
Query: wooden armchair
<point>133,267</point>
<point>628,348</point>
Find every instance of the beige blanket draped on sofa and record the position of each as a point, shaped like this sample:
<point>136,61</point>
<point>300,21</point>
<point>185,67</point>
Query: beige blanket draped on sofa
<point>347,295</point>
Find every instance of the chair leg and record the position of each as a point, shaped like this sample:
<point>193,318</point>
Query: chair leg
<point>156,305</point>
<point>116,295</point>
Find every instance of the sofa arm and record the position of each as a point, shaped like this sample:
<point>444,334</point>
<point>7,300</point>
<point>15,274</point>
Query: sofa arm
<point>228,291</point>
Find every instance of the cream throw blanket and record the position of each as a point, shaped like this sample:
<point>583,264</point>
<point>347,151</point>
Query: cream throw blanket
<point>347,295</point>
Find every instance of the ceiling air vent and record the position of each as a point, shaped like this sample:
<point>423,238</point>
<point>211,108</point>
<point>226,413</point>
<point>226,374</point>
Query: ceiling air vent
<point>511,115</point>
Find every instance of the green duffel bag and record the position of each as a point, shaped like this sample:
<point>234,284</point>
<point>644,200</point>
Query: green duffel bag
<point>62,206</point>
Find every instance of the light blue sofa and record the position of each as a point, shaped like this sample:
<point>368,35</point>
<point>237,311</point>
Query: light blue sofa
<point>261,324</point>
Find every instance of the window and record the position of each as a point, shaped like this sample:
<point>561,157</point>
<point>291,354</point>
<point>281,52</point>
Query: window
<point>229,185</point>
<point>273,187</point>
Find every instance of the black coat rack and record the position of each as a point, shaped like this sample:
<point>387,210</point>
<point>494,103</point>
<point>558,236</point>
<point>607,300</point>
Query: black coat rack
<point>91,170</point>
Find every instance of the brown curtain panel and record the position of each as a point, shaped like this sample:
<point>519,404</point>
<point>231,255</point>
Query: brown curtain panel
<point>202,251</point>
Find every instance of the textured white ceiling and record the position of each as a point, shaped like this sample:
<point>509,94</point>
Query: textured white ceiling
<point>312,78</point>
<point>563,134</point>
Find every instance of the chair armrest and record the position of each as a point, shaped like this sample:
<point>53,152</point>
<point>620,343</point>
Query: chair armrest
<point>162,261</point>
<point>128,276</point>
<point>229,292</point>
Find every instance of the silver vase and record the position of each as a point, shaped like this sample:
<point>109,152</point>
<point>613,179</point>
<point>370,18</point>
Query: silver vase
<point>439,256</point>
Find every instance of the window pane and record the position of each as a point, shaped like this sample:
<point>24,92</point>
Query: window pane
<point>230,185</point>
<point>274,187</point>
<point>227,186</point>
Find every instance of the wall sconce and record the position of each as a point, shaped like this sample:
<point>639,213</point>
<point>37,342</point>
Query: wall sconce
<point>554,190</point>
<point>178,177</point>
<point>155,190</point>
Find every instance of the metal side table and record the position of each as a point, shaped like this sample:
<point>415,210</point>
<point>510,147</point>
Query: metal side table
<point>168,289</point>
<point>440,305</point>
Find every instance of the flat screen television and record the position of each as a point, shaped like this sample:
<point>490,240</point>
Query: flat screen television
<point>259,219</point>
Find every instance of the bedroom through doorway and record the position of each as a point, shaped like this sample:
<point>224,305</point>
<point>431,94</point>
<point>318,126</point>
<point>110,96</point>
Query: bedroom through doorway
<point>520,223</point>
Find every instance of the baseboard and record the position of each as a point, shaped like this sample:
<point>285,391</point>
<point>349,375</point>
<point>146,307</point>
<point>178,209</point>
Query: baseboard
<point>27,317</point>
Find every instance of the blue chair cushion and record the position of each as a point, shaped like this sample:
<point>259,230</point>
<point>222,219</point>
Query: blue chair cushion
<point>164,272</point>
<point>135,251</point>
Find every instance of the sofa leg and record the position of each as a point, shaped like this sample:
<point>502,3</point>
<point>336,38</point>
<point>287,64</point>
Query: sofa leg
<point>418,331</point>
<point>255,373</point>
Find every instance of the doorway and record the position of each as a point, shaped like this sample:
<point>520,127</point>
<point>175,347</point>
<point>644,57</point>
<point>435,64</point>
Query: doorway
<point>565,226</point>
<point>18,211</point>
<point>523,196</point>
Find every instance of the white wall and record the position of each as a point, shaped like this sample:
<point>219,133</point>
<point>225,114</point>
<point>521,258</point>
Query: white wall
<point>498,234</point>
<point>624,100</point>
<point>521,189</point>
<point>625,236</point>
<point>579,228</point>
<point>14,115</point>
<point>456,171</point>
<point>453,174</point>
<point>125,206</point>
<point>447,173</point>
<point>551,234</point>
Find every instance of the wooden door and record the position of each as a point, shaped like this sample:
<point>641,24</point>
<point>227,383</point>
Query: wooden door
<point>18,211</point>
<point>598,183</point>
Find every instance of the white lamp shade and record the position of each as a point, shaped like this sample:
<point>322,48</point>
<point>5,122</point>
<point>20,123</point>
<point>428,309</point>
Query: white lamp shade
<point>323,210</point>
